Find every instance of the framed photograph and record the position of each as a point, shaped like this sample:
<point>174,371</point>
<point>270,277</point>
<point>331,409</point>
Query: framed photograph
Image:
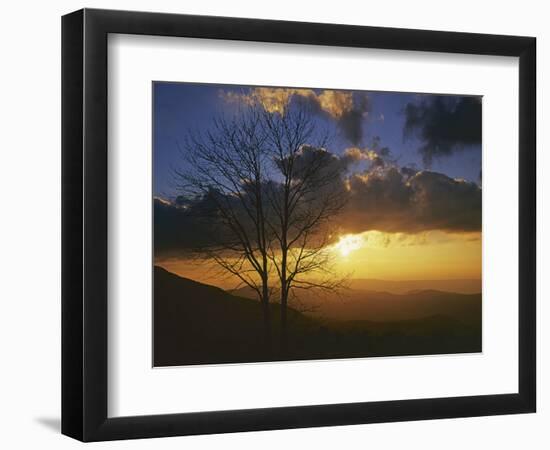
<point>276,225</point>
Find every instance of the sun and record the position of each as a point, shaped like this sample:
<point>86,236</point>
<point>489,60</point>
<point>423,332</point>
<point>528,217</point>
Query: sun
<point>348,244</point>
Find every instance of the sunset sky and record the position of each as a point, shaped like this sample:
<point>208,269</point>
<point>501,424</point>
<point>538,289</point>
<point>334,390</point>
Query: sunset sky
<point>412,164</point>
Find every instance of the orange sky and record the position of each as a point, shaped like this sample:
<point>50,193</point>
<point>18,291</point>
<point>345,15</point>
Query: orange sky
<point>433,255</point>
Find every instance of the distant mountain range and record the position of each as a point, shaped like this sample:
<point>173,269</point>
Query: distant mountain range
<point>195,323</point>
<point>363,304</point>
<point>460,286</point>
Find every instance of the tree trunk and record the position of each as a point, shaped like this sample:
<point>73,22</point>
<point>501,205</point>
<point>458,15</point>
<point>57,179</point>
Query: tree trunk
<point>284,323</point>
<point>283,274</point>
<point>267,318</point>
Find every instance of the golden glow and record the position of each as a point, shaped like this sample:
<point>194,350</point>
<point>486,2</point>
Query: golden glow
<point>424,256</point>
<point>432,255</point>
<point>335,103</point>
<point>348,244</point>
<point>357,154</point>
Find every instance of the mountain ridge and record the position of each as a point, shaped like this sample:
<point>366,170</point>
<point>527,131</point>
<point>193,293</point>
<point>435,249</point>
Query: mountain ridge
<point>196,323</point>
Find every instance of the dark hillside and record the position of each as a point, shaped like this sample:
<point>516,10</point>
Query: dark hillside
<point>196,323</point>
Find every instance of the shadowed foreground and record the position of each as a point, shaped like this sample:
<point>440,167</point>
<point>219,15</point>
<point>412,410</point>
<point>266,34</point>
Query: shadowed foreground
<point>196,323</point>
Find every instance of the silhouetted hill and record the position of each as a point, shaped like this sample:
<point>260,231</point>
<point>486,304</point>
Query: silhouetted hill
<point>436,324</point>
<point>195,323</point>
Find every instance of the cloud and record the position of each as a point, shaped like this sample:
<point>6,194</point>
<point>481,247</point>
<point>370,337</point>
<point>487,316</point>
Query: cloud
<point>444,125</point>
<point>379,239</point>
<point>346,108</point>
<point>354,154</point>
<point>182,225</point>
<point>404,200</point>
<point>172,227</point>
<point>328,164</point>
<point>384,197</point>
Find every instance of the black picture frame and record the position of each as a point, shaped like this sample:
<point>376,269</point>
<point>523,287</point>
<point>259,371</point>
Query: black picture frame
<point>84,224</point>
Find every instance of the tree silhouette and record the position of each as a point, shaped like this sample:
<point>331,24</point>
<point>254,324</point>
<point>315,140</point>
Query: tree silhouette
<point>224,170</point>
<point>268,188</point>
<point>310,192</point>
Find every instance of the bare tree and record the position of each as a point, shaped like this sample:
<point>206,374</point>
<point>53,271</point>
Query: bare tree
<point>269,195</point>
<point>223,170</point>
<point>310,192</point>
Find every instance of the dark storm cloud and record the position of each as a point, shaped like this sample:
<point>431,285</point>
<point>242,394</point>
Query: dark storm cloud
<point>351,122</point>
<point>178,225</point>
<point>403,200</point>
<point>383,197</point>
<point>197,224</point>
<point>408,171</point>
<point>349,113</point>
<point>351,125</point>
<point>329,165</point>
<point>444,124</point>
